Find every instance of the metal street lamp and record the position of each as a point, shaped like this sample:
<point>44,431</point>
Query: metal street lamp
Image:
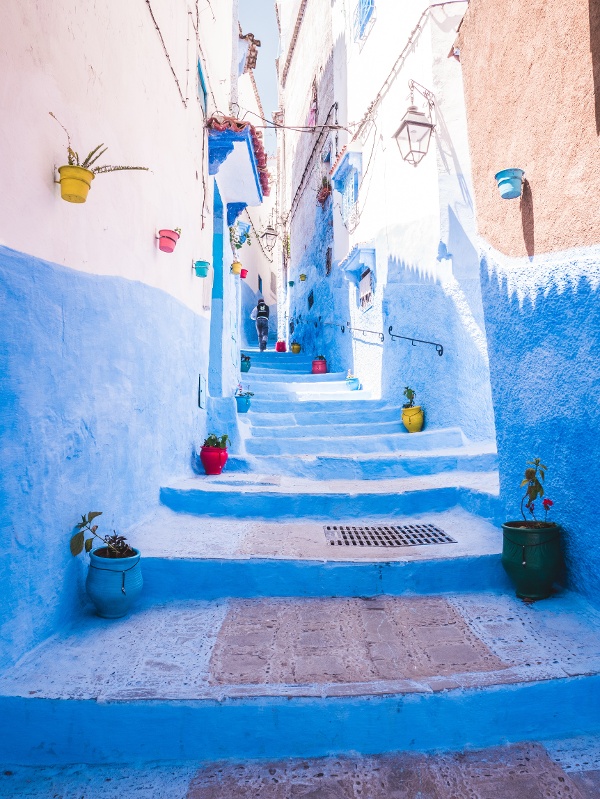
<point>269,237</point>
<point>414,134</point>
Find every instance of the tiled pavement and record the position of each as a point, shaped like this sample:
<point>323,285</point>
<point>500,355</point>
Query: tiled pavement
<point>313,647</point>
<point>521,771</point>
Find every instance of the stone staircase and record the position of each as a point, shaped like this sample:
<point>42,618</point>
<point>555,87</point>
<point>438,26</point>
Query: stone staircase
<point>258,638</point>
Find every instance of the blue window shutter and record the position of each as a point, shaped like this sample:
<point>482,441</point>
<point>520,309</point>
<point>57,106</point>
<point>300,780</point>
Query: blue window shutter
<point>362,15</point>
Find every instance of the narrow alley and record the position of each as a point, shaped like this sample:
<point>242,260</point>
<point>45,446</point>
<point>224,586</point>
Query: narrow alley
<point>296,405</point>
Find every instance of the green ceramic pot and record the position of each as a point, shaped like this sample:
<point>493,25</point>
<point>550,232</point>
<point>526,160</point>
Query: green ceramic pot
<point>532,558</point>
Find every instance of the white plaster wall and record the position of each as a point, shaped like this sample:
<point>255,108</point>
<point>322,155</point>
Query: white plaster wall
<point>103,72</point>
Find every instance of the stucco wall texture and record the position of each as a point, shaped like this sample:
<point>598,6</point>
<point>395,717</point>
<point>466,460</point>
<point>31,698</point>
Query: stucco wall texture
<point>531,97</point>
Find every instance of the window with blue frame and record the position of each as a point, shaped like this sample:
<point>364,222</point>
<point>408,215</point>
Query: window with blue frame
<point>346,180</point>
<point>349,194</point>
<point>260,291</point>
<point>362,16</point>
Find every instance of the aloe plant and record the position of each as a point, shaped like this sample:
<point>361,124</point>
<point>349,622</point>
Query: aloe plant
<point>89,162</point>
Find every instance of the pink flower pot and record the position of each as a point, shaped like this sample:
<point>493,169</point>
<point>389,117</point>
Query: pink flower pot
<point>167,240</point>
<point>280,346</point>
<point>244,273</point>
<point>319,367</point>
<point>213,459</point>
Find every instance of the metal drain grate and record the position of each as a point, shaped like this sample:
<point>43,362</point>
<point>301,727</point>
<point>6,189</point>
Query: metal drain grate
<point>408,535</point>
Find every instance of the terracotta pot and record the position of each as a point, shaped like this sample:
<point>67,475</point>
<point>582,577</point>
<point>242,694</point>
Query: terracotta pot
<point>167,240</point>
<point>319,367</point>
<point>213,459</point>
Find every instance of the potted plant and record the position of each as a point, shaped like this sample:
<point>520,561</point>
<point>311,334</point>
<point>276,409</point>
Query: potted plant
<point>201,268</point>
<point>114,579</point>
<point>242,399</point>
<point>280,346</point>
<point>412,415</point>
<point>324,191</point>
<point>213,453</point>
<point>167,239</point>
<point>76,175</point>
<point>531,553</point>
<point>319,365</point>
<point>239,234</point>
<point>352,382</point>
<point>243,273</point>
<point>290,283</point>
<point>245,363</point>
<point>295,347</point>
<point>303,277</point>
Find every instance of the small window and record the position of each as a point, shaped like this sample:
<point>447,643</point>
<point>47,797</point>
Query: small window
<point>362,15</point>
<point>328,257</point>
<point>311,300</point>
<point>365,290</point>
<point>349,194</point>
<point>260,291</point>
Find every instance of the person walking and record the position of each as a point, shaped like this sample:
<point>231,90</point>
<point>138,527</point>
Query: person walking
<point>261,315</point>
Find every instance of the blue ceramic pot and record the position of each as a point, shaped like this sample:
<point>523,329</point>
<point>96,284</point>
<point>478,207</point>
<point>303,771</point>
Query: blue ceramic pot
<point>245,366</point>
<point>352,383</point>
<point>113,584</point>
<point>509,183</point>
<point>243,404</point>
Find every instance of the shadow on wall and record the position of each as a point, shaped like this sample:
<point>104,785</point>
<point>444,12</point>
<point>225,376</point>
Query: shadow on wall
<point>594,14</point>
<point>453,388</point>
<point>527,218</point>
<point>546,391</point>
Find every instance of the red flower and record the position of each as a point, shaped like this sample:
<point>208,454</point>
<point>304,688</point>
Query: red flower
<point>547,503</point>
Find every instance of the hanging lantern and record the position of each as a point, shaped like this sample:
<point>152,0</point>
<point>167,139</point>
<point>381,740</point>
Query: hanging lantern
<point>414,134</point>
<point>269,237</point>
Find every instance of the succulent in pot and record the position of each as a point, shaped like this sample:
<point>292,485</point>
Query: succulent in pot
<point>114,579</point>
<point>213,453</point>
<point>412,415</point>
<point>77,174</point>
<point>531,551</point>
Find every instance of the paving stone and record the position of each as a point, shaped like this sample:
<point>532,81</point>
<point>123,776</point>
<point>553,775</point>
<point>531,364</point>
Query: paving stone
<point>356,640</point>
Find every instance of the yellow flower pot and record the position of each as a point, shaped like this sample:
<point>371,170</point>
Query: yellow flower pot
<point>412,419</point>
<point>75,182</point>
<point>296,348</point>
<point>236,268</point>
<point>303,277</point>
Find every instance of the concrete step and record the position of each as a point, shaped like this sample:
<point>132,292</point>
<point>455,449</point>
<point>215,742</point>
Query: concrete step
<point>290,677</point>
<point>316,399</point>
<point>343,414</point>
<point>368,467</point>
<point>341,444</point>
<point>276,380</point>
<point>251,496</point>
<point>325,430</point>
<point>564,767</point>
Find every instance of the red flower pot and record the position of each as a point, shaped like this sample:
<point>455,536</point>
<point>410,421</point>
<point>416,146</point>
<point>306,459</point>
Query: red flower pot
<point>319,367</point>
<point>280,346</point>
<point>213,459</point>
<point>167,240</point>
<point>244,273</point>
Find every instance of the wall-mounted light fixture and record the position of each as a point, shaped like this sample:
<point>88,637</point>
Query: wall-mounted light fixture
<point>414,134</point>
<point>269,237</point>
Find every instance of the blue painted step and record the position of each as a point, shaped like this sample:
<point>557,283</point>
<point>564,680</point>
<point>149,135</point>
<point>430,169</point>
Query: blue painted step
<point>364,467</point>
<point>344,414</point>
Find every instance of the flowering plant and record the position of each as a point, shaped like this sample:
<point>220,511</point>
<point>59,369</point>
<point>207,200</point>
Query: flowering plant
<point>239,392</point>
<point>535,474</point>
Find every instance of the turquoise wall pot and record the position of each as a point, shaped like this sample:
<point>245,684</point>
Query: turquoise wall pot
<point>245,366</point>
<point>201,268</point>
<point>243,404</point>
<point>113,584</point>
<point>352,383</point>
<point>510,182</point>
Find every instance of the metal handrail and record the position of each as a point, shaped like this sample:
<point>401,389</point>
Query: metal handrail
<point>360,330</point>
<point>439,348</point>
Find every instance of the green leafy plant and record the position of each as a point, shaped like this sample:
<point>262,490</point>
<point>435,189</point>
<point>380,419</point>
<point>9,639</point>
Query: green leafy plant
<point>237,238</point>
<point>245,358</point>
<point>410,396</point>
<point>213,440</point>
<point>287,245</point>
<point>89,162</point>
<point>116,545</point>
<point>535,475</point>
<point>320,358</point>
<point>177,230</point>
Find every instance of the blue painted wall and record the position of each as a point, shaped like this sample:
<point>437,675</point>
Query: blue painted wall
<point>543,327</point>
<point>98,407</point>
